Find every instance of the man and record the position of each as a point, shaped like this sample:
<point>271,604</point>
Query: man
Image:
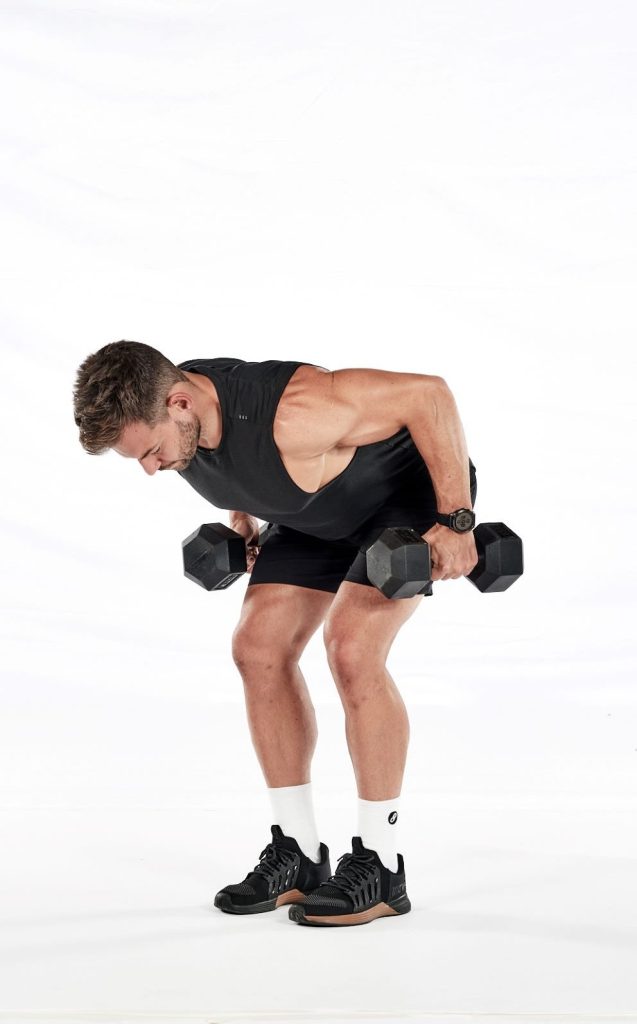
<point>329,457</point>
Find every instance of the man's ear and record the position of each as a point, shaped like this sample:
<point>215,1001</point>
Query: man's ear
<point>179,399</point>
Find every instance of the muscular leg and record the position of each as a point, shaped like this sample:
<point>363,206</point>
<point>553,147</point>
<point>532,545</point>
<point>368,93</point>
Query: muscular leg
<point>359,631</point>
<point>277,621</point>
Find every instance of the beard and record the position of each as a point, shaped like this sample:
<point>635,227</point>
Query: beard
<point>189,434</point>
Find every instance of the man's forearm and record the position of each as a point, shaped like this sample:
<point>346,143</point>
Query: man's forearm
<point>437,432</point>
<point>232,515</point>
<point>245,524</point>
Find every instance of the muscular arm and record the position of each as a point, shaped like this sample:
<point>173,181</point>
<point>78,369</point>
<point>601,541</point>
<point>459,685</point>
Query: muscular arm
<point>244,523</point>
<point>435,426</point>
<point>425,405</point>
<point>371,405</point>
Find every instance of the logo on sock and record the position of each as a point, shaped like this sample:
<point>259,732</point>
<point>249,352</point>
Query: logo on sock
<point>393,818</point>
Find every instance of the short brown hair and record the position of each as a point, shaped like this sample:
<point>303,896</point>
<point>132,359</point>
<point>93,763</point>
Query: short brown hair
<point>122,383</point>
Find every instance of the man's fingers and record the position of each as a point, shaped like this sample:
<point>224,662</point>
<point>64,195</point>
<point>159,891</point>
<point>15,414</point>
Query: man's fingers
<point>450,563</point>
<point>251,557</point>
<point>446,572</point>
<point>442,572</point>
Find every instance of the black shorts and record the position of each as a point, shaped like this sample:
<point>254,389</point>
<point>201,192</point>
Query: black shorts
<point>289,556</point>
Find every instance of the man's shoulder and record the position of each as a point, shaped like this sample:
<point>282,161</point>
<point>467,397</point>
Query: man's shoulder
<point>302,424</point>
<point>309,385</point>
<point>215,362</point>
<point>248,369</point>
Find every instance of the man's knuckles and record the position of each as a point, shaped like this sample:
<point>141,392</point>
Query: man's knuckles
<point>451,571</point>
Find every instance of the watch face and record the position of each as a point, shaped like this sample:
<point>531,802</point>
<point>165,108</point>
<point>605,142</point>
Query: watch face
<point>464,521</point>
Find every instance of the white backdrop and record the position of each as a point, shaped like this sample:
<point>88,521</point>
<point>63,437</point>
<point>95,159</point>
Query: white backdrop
<point>443,188</point>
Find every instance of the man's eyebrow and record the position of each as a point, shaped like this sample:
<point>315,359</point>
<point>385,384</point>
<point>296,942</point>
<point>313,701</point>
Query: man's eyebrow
<point>147,453</point>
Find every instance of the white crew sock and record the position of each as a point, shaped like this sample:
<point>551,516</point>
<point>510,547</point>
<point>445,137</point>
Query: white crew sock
<point>293,811</point>
<point>377,827</point>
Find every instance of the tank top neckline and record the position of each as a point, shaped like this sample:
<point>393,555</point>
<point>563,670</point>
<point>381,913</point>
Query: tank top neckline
<point>321,490</point>
<point>219,388</point>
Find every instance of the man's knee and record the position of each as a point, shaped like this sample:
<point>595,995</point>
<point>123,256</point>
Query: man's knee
<point>350,656</point>
<point>358,677</point>
<point>256,648</point>
<point>276,624</point>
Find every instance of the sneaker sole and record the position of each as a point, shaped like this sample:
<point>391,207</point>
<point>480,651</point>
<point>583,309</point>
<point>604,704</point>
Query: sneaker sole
<point>223,901</point>
<point>299,915</point>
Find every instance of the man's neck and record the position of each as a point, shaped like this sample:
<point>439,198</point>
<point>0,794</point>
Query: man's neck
<point>207,408</point>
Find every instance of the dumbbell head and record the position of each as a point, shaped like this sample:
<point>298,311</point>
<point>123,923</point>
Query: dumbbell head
<point>500,561</point>
<point>214,556</point>
<point>399,562</point>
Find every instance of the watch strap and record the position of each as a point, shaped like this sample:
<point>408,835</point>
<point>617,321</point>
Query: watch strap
<point>444,520</point>
<point>450,518</point>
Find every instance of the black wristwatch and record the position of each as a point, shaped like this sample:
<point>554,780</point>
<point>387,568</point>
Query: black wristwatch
<point>461,521</point>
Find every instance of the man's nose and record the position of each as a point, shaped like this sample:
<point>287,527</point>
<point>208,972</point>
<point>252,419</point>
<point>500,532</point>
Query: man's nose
<point>149,465</point>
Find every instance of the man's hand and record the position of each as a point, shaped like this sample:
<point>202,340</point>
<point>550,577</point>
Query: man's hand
<point>248,527</point>
<point>452,554</point>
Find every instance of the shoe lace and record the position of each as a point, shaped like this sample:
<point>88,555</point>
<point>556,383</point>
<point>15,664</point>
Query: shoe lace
<point>271,859</point>
<point>352,870</point>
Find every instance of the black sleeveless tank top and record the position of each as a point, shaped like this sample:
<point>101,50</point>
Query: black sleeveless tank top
<point>388,479</point>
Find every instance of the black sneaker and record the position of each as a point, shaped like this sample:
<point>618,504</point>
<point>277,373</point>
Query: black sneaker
<point>361,890</point>
<point>283,875</point>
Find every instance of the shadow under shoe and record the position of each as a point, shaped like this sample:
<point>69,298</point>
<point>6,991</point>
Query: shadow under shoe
<point>361,890</point>
<point>283,875</point>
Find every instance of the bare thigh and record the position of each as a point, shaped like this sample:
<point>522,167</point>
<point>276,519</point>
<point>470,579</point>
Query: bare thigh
<point>363,624</point>
<point>277,621</point>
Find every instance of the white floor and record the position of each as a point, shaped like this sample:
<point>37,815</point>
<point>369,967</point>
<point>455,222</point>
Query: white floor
<point>520,868</point>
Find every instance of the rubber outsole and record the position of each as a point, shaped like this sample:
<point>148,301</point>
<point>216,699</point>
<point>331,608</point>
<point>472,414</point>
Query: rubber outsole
<point>300,916</point>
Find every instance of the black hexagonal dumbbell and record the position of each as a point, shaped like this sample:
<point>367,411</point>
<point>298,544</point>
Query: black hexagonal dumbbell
<point>399,561</point>
<point>215,556</point>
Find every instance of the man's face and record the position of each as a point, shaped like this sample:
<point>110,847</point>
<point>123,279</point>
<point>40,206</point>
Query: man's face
<point>170,445</point>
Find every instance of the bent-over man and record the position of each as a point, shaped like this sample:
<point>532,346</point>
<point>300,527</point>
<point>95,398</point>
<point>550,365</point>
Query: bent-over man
<point>330,458</point>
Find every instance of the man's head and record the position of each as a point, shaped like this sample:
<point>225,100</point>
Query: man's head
<point>130,397</point>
